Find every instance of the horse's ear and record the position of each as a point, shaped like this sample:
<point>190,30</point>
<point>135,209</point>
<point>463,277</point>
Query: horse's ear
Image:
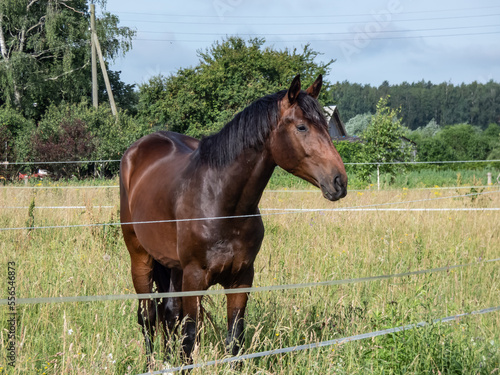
<point>294,90</point>
<point>315,88</point>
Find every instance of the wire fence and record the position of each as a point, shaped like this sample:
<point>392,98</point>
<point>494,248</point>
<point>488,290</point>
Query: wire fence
<point>321,344</point>
<point>6,163</point>
<point>265,191</point>
<point>282,212</point>
<point>121,297</point>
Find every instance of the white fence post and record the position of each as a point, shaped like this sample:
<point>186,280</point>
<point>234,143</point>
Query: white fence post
<point>378,176</point>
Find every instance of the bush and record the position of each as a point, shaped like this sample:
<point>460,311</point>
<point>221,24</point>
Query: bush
<point>72,141</point>
<point>15,133</point>
<point>106,138</point>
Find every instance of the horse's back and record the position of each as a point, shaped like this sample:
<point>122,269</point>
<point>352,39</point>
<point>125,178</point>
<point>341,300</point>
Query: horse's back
<point>151,149</point>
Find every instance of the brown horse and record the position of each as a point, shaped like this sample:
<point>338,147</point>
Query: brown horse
<point>167,176</point>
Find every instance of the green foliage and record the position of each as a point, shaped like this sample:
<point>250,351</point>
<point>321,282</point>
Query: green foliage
<point>349,151</point>
<point>13,130</point>
<point>428,130</point>
<point>383,141</point>
<point>358,124</point>
<point>103,137</point>
<point>475,103</point>
<point>230,75</point>
<point>47,59</point>
<point>458,142</point>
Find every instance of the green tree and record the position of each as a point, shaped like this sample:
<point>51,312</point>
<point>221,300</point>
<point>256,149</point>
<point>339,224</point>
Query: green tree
<point>230,75</point>
<point>384,141</point>
<point>474,103</point>
<point>45,52</point>
<point>358,124</point>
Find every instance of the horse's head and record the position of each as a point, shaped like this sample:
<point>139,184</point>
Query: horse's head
<point>301,144</point>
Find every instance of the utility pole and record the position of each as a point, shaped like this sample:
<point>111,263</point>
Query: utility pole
<point>94,57</point>
<point>105,75</point>
<point>96,47</point>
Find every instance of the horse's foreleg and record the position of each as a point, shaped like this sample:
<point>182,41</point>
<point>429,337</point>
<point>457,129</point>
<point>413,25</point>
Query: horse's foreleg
<point>236,305</point>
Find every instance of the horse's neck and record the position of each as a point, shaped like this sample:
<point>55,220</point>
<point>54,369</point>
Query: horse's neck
<point>244,181</point>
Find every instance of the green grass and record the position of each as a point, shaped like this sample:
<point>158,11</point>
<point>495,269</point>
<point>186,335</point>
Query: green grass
<point>104,338</point>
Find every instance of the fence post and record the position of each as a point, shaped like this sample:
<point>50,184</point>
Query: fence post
<point>489,178</point>
<point>378,176</point>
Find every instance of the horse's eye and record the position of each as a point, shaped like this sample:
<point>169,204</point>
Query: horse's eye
<point>302,128</point>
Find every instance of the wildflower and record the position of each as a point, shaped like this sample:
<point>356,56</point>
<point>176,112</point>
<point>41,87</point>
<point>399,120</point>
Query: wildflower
<point>70,331</point>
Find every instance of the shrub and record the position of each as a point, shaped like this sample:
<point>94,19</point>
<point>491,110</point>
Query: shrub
<point>72,141</point>
<point>109,136</point>
<point>15,144</point>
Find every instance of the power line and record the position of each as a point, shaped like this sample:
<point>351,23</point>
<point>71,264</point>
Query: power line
<point>219,23</point>
<point>332,33</point>
<point>324,40</point>
<point>301,16</point>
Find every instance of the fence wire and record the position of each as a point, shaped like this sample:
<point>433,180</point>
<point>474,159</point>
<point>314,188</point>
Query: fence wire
<point>121,297</point>
<point>321,344</point>
<point>283,212</point>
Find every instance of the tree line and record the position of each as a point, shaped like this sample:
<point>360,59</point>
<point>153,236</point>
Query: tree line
<point>475,103</point>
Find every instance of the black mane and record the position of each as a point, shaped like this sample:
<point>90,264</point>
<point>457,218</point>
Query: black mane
<point>251,127</point>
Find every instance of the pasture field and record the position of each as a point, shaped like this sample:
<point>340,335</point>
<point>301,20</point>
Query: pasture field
<point>104,338</point>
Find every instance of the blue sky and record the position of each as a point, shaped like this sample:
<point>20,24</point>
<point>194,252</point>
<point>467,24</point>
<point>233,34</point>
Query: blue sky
<point>371,40</point>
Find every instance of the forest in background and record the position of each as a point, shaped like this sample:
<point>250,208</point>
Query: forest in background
<point>476,104</point>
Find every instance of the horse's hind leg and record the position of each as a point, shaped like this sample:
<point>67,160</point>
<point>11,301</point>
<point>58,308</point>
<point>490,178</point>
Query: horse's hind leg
<point>173,310</point>
<point>169,309</point>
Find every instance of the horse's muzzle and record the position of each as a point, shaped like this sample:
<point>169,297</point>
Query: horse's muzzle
<point>336,190</point>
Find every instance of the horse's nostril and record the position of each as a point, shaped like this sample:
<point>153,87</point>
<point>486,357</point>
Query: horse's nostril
<point>339,186</point>
<point>337,182</point>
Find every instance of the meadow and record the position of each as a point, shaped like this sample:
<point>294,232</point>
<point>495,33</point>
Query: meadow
<point>103,337</point>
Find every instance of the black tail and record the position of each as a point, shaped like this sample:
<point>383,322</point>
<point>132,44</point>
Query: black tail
<point>161,277</point>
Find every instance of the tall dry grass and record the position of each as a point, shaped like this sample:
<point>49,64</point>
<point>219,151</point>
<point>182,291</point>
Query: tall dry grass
<point>104,338</point>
